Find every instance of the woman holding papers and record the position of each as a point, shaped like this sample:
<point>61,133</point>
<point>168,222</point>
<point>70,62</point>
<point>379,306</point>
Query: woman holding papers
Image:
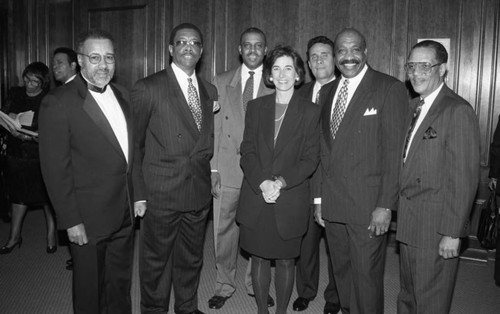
<point>23,176</point>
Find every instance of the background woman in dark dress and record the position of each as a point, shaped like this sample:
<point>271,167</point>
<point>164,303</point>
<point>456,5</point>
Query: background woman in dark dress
<point>279,154</point>
<point>24,179</point>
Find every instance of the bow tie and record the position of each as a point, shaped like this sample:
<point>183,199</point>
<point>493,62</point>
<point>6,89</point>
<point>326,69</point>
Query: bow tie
<point>96,89</point>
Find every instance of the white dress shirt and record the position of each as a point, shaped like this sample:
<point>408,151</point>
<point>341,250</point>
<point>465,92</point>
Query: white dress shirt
<point>182,79</point>
<point>257,78</point>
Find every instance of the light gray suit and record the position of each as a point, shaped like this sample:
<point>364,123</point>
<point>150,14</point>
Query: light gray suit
<point>228,128</point>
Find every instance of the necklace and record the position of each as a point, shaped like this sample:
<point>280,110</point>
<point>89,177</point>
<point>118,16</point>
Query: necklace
<point>280,119</point>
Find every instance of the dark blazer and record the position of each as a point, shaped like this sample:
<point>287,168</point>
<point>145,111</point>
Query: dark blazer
<point>86,174</point>
<point>441,173</point>
<point>359,169</point>
<point>172,157</point>
<point>495,156</point>
<point>294,157</point>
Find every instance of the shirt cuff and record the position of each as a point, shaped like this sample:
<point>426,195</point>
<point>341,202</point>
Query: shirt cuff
<point>317,201</point>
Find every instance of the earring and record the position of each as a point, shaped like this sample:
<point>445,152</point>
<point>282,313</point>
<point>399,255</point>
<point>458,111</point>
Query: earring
<point>271,79</point>
<point>297,78</point>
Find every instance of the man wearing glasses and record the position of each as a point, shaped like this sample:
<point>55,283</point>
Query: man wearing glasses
<point>174,129</point>
<point>438,182</point>
<point>86,157</point>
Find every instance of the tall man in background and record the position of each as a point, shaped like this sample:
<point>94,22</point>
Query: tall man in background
<point>362,133</point>
<point>85,131</point>
<point>439,179</point>
<point>322,65</point>
<point>174,145</point>
<point>235,87</point>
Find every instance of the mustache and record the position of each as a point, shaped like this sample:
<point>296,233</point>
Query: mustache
<point>343,62</point>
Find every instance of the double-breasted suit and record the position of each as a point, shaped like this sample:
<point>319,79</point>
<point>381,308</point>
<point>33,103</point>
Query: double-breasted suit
<point>438,184</point>
<point>173,175</point>
<point>89,182</point>
<point>228,129</point>
<point>359,172</point>
<point>294,157</point>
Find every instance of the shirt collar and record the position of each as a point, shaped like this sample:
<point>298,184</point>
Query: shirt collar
<point>429,100</point>
<point>181,75</point>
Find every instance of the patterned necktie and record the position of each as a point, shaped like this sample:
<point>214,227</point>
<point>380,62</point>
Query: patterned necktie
<point>194,103</point>
<point>339,110</point>
<point>416,114</point>
<point>317,96</point>
<point>248,91</point>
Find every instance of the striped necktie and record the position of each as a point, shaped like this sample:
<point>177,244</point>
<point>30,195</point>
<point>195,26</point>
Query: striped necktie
<point>339,110</point>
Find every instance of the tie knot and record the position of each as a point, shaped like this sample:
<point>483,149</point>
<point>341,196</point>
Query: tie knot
<point>251,73</point>
<point>190,80</point>
<point>346,82</point>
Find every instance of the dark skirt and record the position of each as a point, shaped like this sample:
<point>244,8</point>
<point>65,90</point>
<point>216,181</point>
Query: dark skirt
<point>265,241</point>
<point>24,181</point>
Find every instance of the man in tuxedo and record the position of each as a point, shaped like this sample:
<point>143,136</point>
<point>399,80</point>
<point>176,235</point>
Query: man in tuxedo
<point>322,65</point>
<point>235,87</point>
<point>174,145</point>
<point>439,178</point>
<point>65,65</point>
<point>85,131</point>
<point>362,133</point>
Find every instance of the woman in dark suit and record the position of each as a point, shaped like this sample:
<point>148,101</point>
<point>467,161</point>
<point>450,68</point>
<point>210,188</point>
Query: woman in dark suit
<point>279,153</point>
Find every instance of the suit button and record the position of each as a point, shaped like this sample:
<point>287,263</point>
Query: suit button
<point>418,180</point>
<point>229,135</point>
<point>179,135</point>
<point>227,118</point>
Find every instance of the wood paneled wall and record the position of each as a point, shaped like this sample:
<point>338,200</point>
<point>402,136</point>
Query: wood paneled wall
<point>34,28</point>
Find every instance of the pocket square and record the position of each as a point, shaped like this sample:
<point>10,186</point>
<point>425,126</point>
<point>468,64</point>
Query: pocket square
<point>216,106</point>
<point>370,112</point>
<point>430,133</point>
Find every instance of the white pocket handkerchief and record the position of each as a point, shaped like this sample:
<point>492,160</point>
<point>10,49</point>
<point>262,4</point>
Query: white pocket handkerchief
<point>370,112</point>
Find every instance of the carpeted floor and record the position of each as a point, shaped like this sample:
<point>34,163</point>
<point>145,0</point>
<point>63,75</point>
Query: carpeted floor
<point>32,281</point>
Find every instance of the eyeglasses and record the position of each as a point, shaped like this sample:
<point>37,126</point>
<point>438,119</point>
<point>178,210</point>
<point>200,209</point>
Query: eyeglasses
<point>96,58</point>
<point>320,57</point>
<point>32,82</point>
<point>192,43</point>
<point>424,67</point>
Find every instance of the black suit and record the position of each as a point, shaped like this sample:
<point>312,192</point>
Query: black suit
<point>173,171</point>
<point>307,271</point>
<point>495,173</point>
<point>89,181</point>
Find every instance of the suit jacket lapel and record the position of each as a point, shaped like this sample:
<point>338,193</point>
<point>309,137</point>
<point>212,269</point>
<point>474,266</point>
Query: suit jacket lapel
<point>289,125</point>
<point>433,113</point>
<point>95,113</point>
<point>175,98</point>
<point>267,119</point>
<point>124,104</point>
<point>234,93</point>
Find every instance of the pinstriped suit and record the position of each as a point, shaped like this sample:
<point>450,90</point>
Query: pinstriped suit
<point>229,126</point>
<point>359,172</point>
<point>173,171</point>
<point>438,185</point>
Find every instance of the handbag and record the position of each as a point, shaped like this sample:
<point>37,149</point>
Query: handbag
<point>487,231</point>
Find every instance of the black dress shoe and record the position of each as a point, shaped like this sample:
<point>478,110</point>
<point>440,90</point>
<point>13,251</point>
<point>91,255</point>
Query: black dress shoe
<point>300,304</point>
<point>51,249</point>
<point>331,308</point>
<point>217,301</point>
<point>270,300</point>
<point>7,249</point>
<point>69,264</point>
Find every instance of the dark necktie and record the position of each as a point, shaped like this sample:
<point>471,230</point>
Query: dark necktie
<point>248,91</point>
<point>416,114</point>
<point>194,103</point>
<point>317,96</point>
<point>339,110</point>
